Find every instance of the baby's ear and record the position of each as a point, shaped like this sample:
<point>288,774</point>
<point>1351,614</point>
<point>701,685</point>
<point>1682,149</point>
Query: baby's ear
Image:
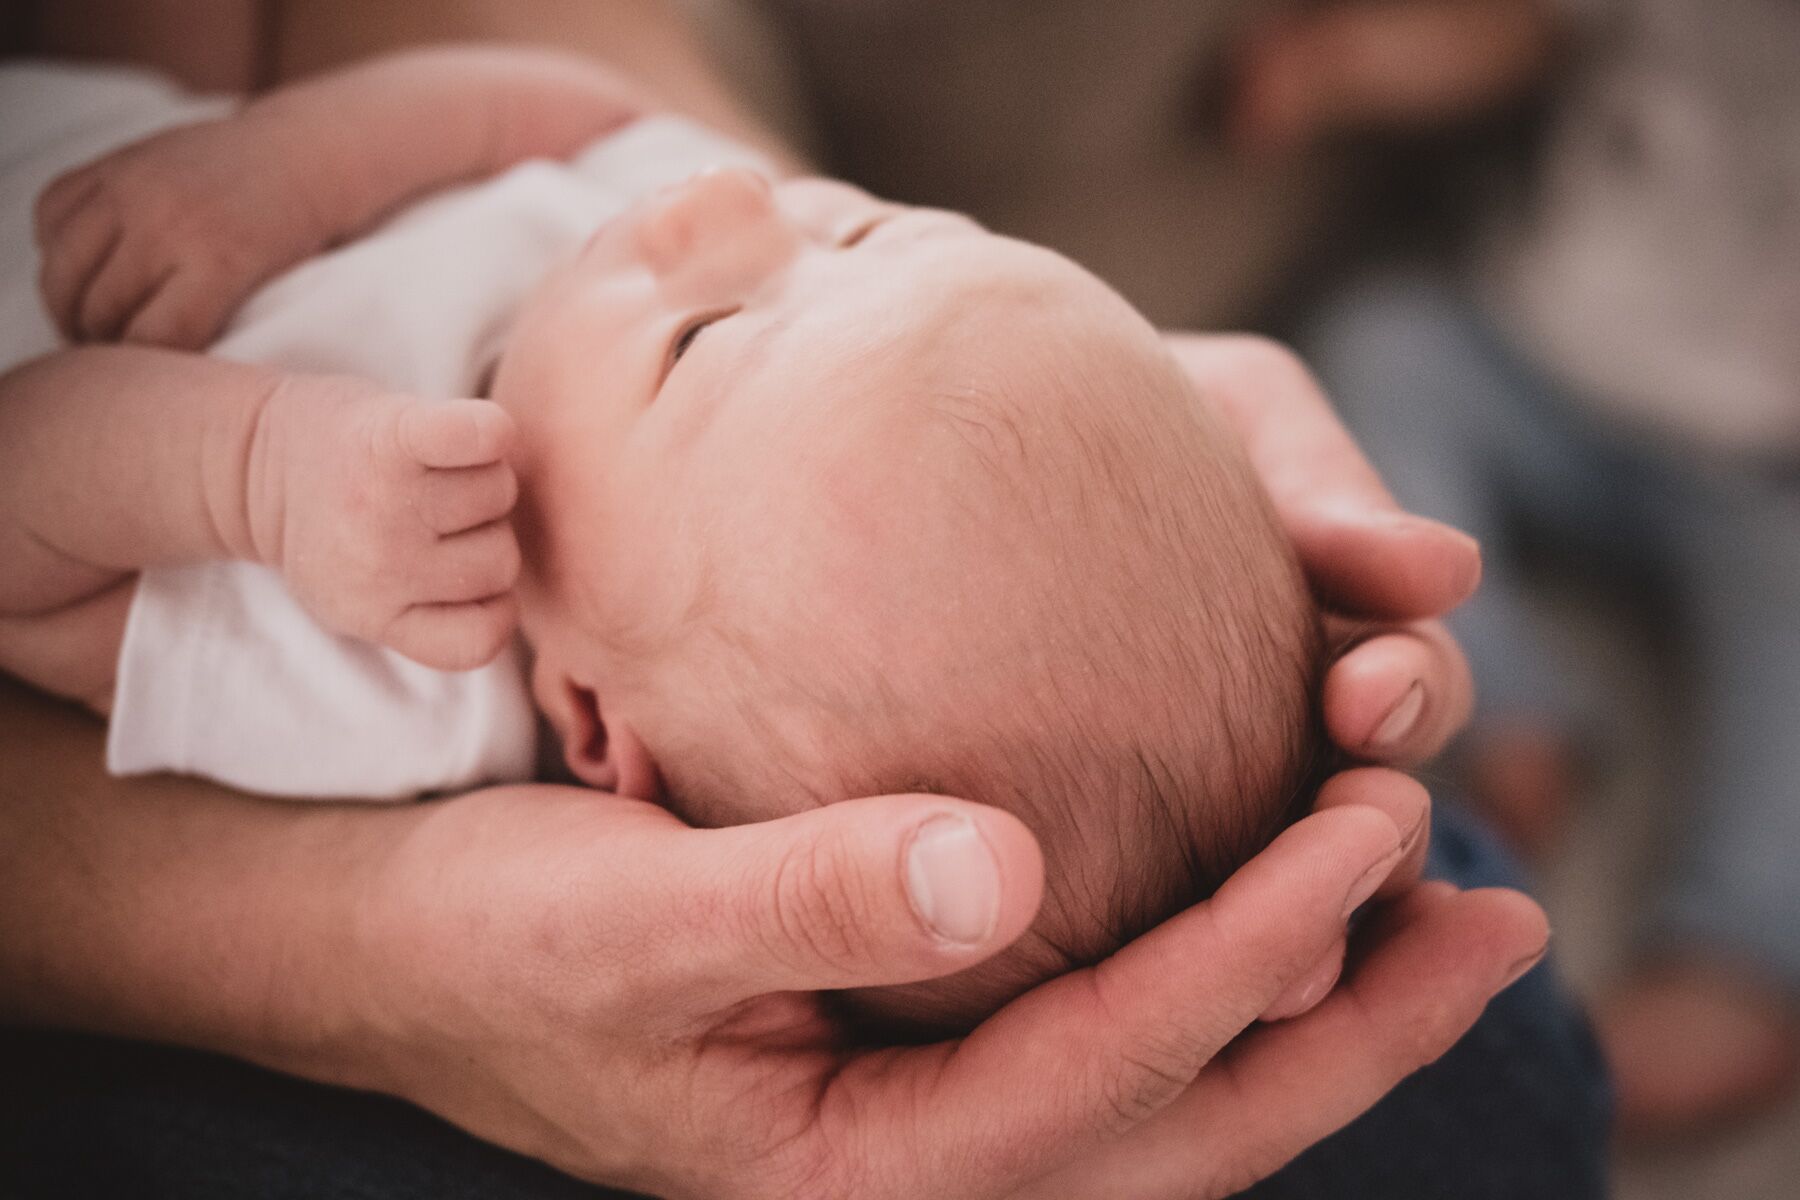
<point>606,754</point>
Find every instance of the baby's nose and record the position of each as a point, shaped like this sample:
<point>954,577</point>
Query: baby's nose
<point>723,203</point>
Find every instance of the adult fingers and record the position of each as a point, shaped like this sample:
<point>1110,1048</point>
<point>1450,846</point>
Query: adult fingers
<point>883,890</point>
<point>1086,1057</point>
<point>1431,965</point>
<point>1392,565</point>
<point>1408,806</point>
<point>1363,553</point>
<point>1301,995</point>
<point>1399,696</point>
<point>1406,803</point>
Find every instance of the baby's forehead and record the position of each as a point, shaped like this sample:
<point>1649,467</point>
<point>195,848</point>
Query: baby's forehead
<point>943,308</point>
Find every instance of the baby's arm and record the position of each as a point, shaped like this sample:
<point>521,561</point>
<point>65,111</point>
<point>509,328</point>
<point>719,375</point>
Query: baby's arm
<point>386,514</point>
<point>161,242</point>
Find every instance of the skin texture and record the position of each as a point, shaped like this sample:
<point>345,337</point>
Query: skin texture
<point>1041,569</point>
<point>519,959</point>
<point>196,878</point>
<point>385,514</point>
<point>161,242</point>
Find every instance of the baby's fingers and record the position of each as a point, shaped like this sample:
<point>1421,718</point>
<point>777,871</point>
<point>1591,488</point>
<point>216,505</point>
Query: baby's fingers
<point>183,310</point>
<point>66,195</point>
<point>471,566</point>
<point>455,637</point>
<point>456,433</point>
<point>130,278</point>
<point>466,497</point>
<point>72,259</point>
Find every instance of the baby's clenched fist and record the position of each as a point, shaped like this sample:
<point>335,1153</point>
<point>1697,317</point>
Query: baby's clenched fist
<point>389,517</point>
<point>161,242</point>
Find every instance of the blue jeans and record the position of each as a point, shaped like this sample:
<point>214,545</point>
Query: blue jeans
<point>1467,431</point>
<point>1517,1110</point>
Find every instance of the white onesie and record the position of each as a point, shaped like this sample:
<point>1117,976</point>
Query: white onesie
<point>221,673</point>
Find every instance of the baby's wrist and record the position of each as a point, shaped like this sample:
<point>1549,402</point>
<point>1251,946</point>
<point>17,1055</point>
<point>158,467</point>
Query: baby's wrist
<point>280,466</point>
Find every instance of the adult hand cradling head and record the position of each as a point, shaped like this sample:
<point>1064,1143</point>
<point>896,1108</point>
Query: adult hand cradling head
<point>551,951</point>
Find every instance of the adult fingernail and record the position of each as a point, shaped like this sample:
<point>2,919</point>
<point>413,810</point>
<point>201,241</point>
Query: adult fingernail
<point>1400,720</point>
<point>1412,835</point>
<point>952,880</point>
<point>1515,972</point>
<point>1371,880</point>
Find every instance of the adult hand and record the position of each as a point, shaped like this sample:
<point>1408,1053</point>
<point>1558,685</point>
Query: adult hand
<point>588,981</point>
<point>1400,688</point>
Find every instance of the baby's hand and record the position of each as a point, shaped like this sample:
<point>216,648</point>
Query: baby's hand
<point>389,517</point>
<point>161,242</point>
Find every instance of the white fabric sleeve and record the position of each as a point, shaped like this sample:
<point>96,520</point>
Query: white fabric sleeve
<point>222,674</point>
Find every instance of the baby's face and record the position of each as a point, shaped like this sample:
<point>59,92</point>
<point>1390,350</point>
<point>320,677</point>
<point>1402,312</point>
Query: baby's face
<point>732,369</point>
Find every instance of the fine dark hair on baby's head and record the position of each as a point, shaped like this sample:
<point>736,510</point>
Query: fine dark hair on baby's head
<point>1046,580</point>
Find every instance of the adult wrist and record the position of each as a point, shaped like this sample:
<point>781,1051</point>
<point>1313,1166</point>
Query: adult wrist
<point>334,983</point>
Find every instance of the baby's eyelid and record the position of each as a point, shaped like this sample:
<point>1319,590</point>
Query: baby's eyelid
<point>859,232</point>
<point>684,337</point>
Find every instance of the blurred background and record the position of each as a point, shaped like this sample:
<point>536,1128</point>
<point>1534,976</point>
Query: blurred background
<point>1546,256</point>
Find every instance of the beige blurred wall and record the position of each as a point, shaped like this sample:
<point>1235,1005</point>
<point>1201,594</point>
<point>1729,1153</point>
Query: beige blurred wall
<point>1088,125</point>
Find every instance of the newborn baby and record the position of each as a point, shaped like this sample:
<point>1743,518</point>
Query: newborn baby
<point>818,497</point>
<point>827,498</point>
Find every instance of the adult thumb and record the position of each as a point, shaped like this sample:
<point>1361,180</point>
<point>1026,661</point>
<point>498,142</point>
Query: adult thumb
<point>863,893</point>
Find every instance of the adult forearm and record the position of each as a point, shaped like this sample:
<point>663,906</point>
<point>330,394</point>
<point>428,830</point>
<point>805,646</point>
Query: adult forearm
<point>651,41</point>
<point>364,140</point>
<point>174,911</point>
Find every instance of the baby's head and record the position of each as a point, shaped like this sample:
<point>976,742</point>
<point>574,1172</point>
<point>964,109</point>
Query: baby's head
<point>826,498</point>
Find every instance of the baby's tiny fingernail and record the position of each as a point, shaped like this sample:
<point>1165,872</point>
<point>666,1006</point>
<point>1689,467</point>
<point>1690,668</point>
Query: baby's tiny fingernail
<point>1400,720</point>
<point>1371,880</point>
<point>952,880</point>
<point>1517,971</point>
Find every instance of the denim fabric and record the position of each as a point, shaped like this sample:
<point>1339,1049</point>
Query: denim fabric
<point>1466,430</point>
<point>1516,1111</point>
<point>1520,1109</point>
